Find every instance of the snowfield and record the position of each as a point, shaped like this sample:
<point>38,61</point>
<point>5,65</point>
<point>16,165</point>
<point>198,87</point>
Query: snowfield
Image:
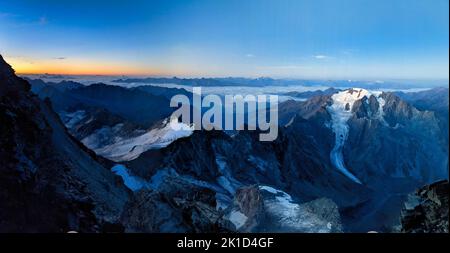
<point>130,148</point>
<point>290,216</point>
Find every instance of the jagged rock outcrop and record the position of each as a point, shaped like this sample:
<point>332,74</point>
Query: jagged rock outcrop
<point>247,210</point>
<point>49,182</point>
<point>426,210</point>
<point>265,209</point>
<point>435,100</point>
<point>404,143</point>
<point>175,206</point>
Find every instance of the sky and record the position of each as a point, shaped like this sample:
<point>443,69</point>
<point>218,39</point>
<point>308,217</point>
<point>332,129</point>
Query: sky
<point>320,39</point>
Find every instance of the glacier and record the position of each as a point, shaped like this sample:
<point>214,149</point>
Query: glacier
<point>341,111</point>
<point>132,182</point>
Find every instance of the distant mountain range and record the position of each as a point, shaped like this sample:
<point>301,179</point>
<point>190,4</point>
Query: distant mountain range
<point>267,81</point>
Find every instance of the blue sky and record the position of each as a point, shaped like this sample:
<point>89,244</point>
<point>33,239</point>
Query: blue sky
<point>349,39</point>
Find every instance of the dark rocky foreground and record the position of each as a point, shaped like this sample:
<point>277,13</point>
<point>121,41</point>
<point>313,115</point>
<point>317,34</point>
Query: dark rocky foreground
<point>426,210</point>
<point>49,181</point>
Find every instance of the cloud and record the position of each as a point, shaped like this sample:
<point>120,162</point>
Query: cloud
<point>290,67</point>
<point>322,57</point>
<point>250,55</point>
<point>60,58</point>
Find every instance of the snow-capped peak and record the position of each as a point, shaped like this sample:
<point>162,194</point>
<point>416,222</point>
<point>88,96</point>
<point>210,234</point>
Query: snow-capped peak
<point>345,99</point>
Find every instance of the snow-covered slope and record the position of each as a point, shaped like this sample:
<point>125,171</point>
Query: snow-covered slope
<point>296,217</point>
<point>126,149</point>
<point>341,112</point>
<point>116,139</point>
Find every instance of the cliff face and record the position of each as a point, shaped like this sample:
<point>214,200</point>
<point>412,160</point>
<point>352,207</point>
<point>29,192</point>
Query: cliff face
<point>426,211</point>
<point>49,182</point>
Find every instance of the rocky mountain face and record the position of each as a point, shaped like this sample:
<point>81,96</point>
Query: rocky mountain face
<point>390,147</point>
<point>117,123</point>
<point>226,164</point>
<point>426,210</point>
<point>404,143</point>
<point>136,106</point>
<point>393,148</point>
<point>84,122</point>
<point>49,181</point>
<point>434,100</point>
<point>175,205</point>
<point>232,162</point>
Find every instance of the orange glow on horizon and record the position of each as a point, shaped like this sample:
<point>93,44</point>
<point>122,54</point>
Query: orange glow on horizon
<point>78,67</point>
